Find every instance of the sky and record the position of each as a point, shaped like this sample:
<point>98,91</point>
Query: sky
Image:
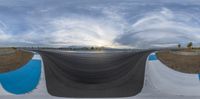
<point>109,23</point>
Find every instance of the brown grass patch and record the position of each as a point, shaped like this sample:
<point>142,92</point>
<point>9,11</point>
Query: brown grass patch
<point>182,63</point>
<point>190,50</point>
<point>14,60</point>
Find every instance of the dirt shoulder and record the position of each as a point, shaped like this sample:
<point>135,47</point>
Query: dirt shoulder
<point>182,63</point>
<point>13,60</point>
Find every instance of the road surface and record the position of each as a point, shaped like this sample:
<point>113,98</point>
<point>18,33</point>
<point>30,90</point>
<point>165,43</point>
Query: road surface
<point>109,74</point>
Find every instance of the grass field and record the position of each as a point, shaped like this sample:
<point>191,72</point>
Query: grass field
<point>192,50</point>
<point>11,59</point>
<point>182,63</point>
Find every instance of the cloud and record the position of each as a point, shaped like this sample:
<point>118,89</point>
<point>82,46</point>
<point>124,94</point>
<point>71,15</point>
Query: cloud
<point>3,35</point>
<point>161,27</point>
<point>67,31</point>
<point>121,23</point>
<point>84,31</point>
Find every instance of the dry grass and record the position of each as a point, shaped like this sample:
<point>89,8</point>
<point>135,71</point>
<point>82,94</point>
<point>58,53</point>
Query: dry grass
<point>14,61</point>
<point>191,50</point>
<point>182,63</point>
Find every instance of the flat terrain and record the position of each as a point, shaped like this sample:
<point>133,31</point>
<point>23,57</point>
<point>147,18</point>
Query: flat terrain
<point>109,74</point>
<point>182,63</point>
<point>11,59</point>
<point>191,50</point>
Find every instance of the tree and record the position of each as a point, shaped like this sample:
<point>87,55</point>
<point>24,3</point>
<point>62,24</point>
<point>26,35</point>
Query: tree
<point>92,48</point>
<point>189,45</point>
<point>179,45</point>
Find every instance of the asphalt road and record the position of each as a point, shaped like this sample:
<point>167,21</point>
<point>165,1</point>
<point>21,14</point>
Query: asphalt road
<point>118,74</point>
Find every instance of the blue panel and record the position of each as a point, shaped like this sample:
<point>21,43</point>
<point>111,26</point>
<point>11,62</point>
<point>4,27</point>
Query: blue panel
<point>199,76</point>
<point>152,57</point>
<point>22,80</point>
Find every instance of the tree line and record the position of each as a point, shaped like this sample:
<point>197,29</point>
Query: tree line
<point>189,45</point>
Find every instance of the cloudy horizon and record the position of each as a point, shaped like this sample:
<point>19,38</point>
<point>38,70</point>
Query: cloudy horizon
<point>109,23</point>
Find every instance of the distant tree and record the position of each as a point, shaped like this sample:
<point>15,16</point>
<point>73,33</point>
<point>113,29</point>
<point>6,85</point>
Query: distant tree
<point>14,48</point>
<point>179,45</point>
<point>189,45</point>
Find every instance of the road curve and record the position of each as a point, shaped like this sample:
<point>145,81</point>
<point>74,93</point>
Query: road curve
<point>109,74</point>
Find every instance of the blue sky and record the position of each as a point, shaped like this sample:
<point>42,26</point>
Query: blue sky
<point>110,23</point>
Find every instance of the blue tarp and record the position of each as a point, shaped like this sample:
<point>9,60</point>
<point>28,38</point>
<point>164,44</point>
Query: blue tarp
<point>22,80</point>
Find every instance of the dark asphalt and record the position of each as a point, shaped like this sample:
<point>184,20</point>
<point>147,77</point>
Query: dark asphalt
<point>118,74</point>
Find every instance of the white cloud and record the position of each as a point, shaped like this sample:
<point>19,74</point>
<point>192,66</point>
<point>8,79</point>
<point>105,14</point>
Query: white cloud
<point>67,31</point>
<point>103,25</point>
<point>85,31</point>
<point>4,36</point>
<point>165,27</point>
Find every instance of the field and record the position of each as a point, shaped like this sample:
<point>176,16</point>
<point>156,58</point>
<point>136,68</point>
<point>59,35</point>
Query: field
<point>11,59</point>
<point>182,63</point>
